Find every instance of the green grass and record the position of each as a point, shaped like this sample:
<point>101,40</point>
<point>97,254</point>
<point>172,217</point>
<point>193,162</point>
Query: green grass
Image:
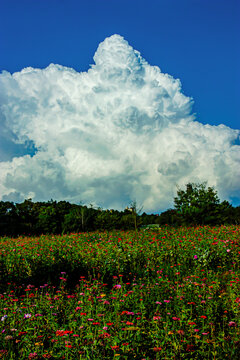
<point>164,294</point>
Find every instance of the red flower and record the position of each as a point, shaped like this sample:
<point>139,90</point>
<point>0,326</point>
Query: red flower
<point>22,333</point>
<point>157,349</point>
<point>104,335</point>
<point>190,348</point>
<point>63,332</point>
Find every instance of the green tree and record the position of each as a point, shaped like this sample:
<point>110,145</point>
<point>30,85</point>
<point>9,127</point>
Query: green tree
<point>8,219</point>
<point>72,221</point>
<point>27,216</point>
<point>197,203</point>
<point>47,222</point>
<point>169,217</point>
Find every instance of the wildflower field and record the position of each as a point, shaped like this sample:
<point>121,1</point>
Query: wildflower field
<point>163,294</point>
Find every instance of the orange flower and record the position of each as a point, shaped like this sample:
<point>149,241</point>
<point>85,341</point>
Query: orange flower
<point>115,347</point>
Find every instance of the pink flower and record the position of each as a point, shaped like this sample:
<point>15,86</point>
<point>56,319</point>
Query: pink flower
<point>180,332</point>
<point>232,323</point>
<point>32,355</point>
<point>195,257</point>
<point>27,316</point>
<point>118,286</point>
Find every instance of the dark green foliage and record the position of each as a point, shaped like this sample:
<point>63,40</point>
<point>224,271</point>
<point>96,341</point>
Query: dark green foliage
<point>196,205</point>
<point>170,217</point>
<point>200,205</point>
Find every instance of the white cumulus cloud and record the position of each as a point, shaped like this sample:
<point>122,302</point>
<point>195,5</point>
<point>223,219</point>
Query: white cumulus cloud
<point>121,131</point>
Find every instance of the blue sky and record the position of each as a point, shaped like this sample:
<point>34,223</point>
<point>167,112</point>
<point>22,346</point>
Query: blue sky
<point>194,40</point>
<point>124,130</point>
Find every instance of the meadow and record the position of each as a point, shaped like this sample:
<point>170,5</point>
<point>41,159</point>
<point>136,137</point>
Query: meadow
<point>171,293</point>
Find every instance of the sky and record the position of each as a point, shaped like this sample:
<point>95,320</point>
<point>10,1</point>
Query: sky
<point>111,101</point>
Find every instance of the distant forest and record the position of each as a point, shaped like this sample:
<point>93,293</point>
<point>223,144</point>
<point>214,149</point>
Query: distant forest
<point>196,205</point>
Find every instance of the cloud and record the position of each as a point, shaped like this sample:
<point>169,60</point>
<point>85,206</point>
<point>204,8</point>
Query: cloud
<point>121,131</point>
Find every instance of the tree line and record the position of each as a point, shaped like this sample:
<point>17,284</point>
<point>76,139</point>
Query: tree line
<point>197,204</point>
